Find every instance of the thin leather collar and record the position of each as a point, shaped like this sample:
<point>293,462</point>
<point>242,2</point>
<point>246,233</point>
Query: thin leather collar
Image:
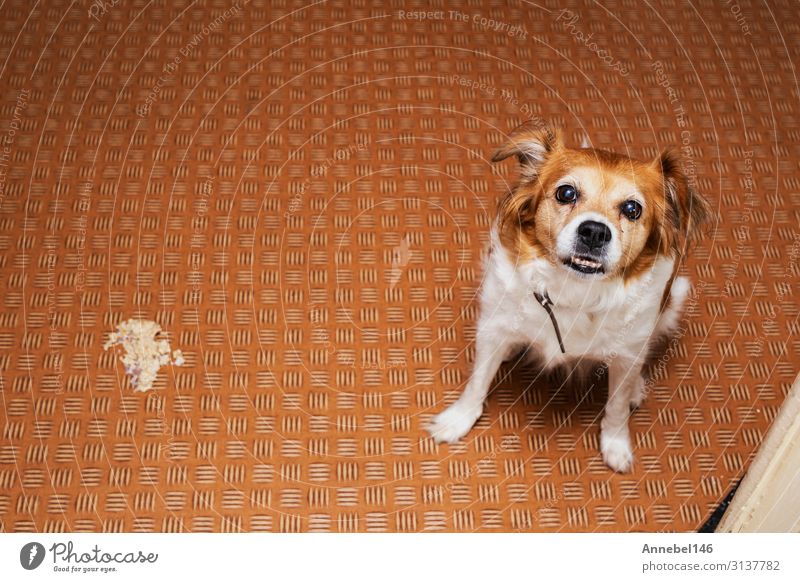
<point>545,301</point>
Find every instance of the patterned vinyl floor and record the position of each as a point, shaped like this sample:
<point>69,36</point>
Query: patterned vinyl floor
<point>300,192</point>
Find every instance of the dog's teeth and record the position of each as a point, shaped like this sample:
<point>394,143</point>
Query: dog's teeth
<point>585,262</point>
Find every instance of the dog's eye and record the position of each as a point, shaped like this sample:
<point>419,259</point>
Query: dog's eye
<point>566,194</point>
<point>631,209</point>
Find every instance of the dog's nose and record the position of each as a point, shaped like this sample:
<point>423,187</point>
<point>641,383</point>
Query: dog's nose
<point>594,234</point>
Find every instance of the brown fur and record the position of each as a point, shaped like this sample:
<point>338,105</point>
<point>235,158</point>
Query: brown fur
<point>529,217</point>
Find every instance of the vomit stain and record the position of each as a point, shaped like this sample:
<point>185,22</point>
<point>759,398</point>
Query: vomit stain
<point>145,352</point>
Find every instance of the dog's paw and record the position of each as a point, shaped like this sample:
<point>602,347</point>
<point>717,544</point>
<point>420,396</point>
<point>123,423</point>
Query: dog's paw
<point>452,424</point>
<point>639,392</point>
<point>617,452</point>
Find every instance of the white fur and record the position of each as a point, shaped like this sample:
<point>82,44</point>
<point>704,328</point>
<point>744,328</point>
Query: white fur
<point>602,319</point>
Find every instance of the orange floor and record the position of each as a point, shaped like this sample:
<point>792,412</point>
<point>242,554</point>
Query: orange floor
<point>299,194</point>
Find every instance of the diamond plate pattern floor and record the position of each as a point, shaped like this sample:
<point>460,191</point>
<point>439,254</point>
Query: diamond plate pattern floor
<point>299,194</point>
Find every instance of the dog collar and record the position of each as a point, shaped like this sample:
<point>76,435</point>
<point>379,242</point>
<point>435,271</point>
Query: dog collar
<point>545,301</point>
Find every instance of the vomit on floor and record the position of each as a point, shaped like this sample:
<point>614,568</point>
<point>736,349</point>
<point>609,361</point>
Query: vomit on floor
<point>145,352</point>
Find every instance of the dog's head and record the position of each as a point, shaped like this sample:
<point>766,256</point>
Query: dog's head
<point>594,212</point>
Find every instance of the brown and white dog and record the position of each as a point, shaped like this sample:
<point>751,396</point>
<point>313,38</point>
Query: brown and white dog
<point>582,266</point>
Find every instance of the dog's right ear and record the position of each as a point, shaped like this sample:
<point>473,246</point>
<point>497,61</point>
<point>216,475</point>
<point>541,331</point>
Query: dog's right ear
<point>532,144</point>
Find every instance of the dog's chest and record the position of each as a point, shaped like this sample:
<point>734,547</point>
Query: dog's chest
<point>583,332</point>
<point>595,320</point>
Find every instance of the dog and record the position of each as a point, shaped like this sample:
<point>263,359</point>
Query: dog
<point>582,266</point>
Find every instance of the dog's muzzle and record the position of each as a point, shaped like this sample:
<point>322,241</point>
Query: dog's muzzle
<point>590,245</point>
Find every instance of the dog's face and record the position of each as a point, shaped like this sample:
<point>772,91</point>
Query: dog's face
<point>593,212</point>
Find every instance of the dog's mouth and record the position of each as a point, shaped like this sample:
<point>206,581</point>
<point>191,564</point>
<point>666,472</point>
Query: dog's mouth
<point>585,265</point>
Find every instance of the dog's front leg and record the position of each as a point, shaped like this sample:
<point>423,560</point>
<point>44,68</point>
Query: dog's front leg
<point>615,439</point>
<point>491,347</point>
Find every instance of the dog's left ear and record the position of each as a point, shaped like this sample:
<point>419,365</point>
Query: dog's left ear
<point>532,144</point>
<point>689,210</point>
